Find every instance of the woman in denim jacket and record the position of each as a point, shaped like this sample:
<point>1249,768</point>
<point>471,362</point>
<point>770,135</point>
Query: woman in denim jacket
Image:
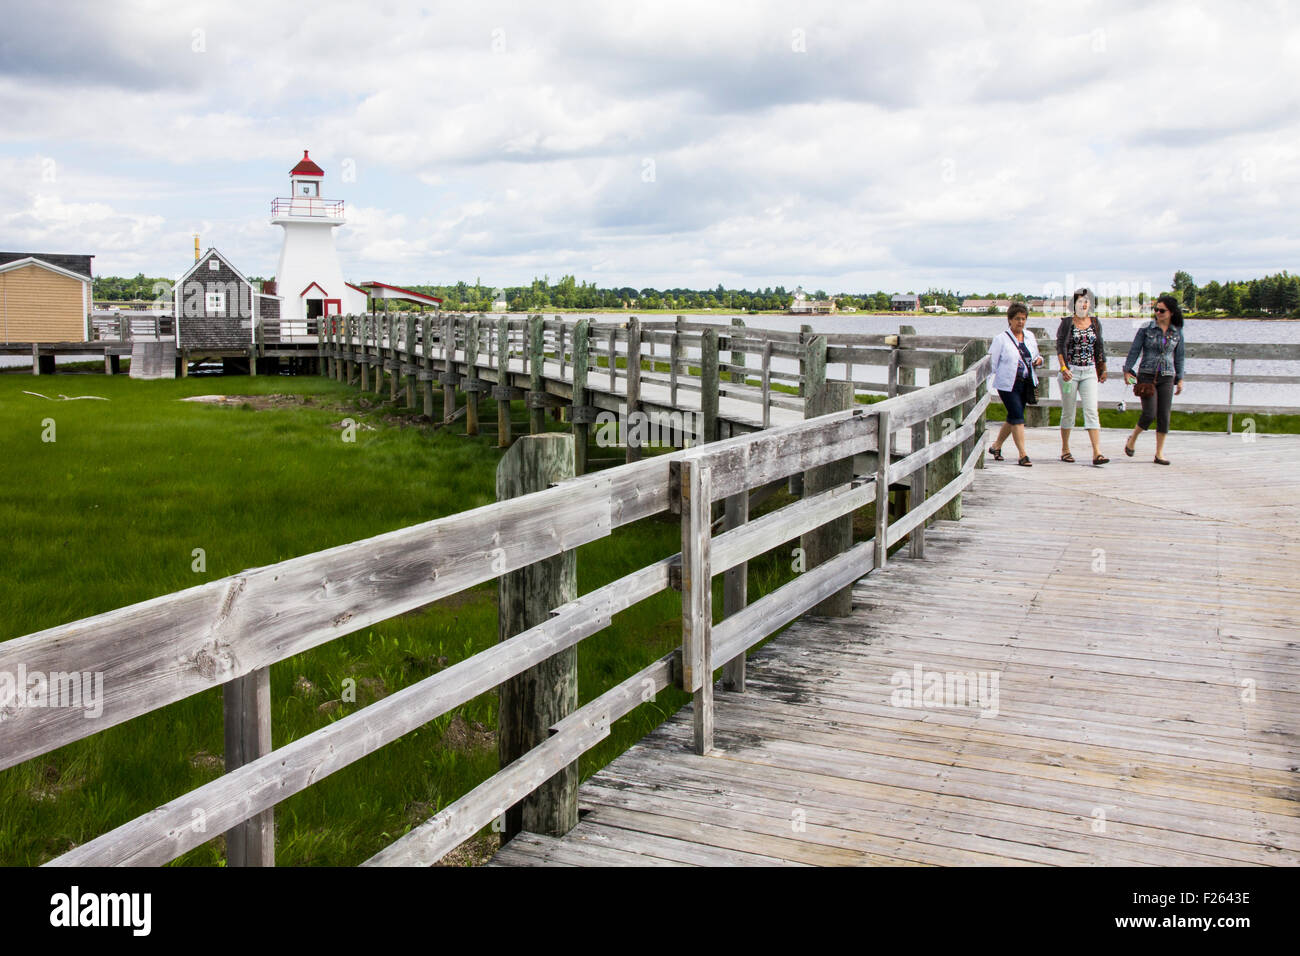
<point>1160,345</point>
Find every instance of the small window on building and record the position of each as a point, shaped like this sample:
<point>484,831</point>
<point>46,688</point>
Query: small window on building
<point>307,189</point>
<point>214,265</point>
<point>215,302</point>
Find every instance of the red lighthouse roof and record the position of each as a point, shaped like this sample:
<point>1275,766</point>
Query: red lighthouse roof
<point>306,167</point>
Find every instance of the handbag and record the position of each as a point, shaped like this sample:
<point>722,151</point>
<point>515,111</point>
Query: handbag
<point>1144,389</point>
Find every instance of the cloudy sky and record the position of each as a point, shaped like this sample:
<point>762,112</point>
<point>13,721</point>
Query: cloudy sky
<point>849,146</point>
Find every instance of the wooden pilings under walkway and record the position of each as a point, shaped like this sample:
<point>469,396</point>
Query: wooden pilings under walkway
<point>1141,623</point>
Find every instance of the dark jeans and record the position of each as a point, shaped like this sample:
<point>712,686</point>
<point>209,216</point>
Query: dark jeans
<point>1014,401</point>
<point>1156,408</point>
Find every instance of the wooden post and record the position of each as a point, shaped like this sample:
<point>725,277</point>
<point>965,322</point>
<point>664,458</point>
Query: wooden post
<point>394,357</point>
<point>880,548</point>
<point>255,354</point>
<point>767,383</point>
<point>806,337</point>
<point>737,356</point>
<point>559,347</point>
<point>674,361</point>
<point>36,359</point>
<point>579,411</point>
<point>635,426</point>
<point>825,542</point>
<point>1232,374</point>
<point>948,466</point>
<point>697,598</point>
<point>408,359</point>
<point>358,327</point>
<point>917,493</point>
<point>247,705</point>
<point>975,350</point>
<point>1038,416</point>
<point>363,353</point>
<point>537,384</point>
<point>903,376</point>
<point>449,368</point>
<point>613,359</point>
<point>504,383</point>
<point>709,383</point>
<point>471,366</point>
<point>342,346</point>
<point>185,363</point>
<point>735,586</point>
<point>321,355</point>
<point>532,702</point>
<point>812,366</point>
<point>426,365</point>
<point>381,329</point>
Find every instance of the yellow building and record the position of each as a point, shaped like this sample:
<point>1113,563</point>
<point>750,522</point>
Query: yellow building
<point>44,298</point>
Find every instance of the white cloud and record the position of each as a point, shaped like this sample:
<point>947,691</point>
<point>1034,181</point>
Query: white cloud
<point>844,145</point>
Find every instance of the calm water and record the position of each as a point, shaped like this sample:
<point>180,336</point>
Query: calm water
<point>1116,330</point>
<point>1113,390</point>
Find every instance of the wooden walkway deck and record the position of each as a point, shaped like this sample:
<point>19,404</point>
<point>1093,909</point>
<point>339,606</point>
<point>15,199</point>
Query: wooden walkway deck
<point>1142,622</point>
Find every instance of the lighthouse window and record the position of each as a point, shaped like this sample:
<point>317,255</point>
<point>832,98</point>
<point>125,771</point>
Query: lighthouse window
<point>307,189</point>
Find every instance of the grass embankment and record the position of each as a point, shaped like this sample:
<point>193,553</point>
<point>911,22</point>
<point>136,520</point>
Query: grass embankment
<point>111,512</point>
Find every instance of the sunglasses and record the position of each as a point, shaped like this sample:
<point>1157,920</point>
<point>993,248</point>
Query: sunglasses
<point>1161,310</point>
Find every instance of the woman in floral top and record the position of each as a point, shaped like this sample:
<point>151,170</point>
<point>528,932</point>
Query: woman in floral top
<point>1081,353</point>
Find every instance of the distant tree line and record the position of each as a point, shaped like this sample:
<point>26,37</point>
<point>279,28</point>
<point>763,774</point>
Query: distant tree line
<point>1272,295</point>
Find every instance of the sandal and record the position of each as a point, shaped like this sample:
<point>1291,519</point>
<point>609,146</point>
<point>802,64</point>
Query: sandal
<point>1128,450</point>
<point>1101,460</point>
<point>1067,457</point>
<point>1029,464</point>
<point>1161,461</point>
<point>996,453</point>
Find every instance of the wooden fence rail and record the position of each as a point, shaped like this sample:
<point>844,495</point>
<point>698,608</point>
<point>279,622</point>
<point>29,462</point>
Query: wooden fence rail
<point>229,632</point>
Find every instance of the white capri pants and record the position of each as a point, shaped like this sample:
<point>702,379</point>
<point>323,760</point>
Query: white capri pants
<point>1081,389</point>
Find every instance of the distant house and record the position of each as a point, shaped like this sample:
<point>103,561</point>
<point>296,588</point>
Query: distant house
<point>217,308</point>
<point>44,297</point>
<point>905,303</point>
<point>981,306</point>
<point>1047,306</point>
<point>802,305</point>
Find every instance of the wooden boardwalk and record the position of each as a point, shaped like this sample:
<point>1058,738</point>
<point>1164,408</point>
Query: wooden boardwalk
<point>1142,622</point>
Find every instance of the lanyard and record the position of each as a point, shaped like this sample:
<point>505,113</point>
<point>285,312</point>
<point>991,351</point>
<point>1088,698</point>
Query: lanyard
<point>1022,350</point>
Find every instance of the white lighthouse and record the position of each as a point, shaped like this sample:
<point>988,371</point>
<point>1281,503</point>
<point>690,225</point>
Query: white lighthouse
<point>310,280</point>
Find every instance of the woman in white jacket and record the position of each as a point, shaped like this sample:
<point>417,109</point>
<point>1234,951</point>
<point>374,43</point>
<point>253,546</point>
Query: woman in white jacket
<point>1013,358</point>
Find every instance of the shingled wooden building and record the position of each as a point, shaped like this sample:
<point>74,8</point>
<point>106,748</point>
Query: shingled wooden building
<point>217,308</point>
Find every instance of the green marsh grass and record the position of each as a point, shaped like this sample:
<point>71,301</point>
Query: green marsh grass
<point>111,512</point>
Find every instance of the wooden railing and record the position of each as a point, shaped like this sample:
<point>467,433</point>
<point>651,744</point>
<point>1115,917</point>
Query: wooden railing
<point>1232,352</point>
<point>127,327</point>
<point>697,363</point>
<point>229,632</point>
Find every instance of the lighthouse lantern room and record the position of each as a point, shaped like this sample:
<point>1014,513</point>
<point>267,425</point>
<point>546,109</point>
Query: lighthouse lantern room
<point>310,280</point>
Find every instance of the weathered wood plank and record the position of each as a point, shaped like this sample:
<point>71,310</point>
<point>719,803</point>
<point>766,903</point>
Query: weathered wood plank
<point>247,712</point>
<point>531,702</point>
<point>821,544</point>
<point>697,599</point>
